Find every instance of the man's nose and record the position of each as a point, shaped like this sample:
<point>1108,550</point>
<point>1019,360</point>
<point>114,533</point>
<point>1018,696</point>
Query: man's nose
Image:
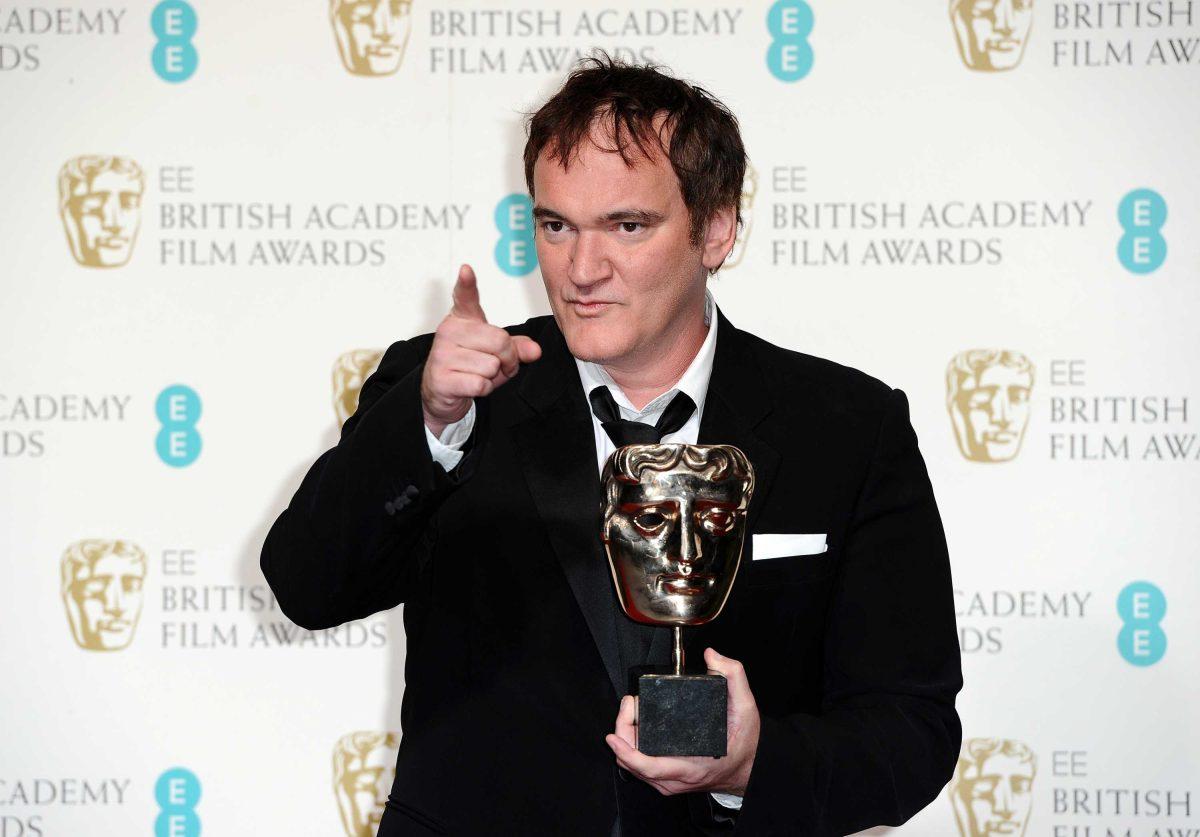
<point>589,259</point>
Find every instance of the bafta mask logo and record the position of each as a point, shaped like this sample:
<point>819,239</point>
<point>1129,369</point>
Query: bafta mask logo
<point>349,372</point>
<point>100,201</point>
<point>746,207</point>
<point>371,34</point>
<point>991,34</point>
<point>992,787</point>
<point>364,766</point>
<point>674,523</point>
<point>102,590</point>
<point>987,394</point>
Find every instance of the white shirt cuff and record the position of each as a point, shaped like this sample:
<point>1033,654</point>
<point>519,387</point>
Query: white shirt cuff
<point>728,800</point>
<point>446,449</point>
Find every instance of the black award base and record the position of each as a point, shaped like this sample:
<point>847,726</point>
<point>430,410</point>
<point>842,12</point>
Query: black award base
<point>681,714</point>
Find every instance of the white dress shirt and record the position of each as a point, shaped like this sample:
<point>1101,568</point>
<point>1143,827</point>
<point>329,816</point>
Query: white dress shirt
<point>447,449</point>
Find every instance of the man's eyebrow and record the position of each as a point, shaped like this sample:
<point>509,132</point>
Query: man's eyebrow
<point>543,213</point>
<point>640,216</point>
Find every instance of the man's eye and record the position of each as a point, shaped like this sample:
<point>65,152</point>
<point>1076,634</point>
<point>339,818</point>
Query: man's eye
<point>553,226</point>
<point>630,226</point>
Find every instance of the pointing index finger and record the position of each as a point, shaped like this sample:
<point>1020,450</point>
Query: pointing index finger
<point>466,296</point>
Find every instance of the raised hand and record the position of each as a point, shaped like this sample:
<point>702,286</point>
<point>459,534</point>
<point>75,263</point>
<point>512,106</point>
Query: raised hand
<point>470,358</point>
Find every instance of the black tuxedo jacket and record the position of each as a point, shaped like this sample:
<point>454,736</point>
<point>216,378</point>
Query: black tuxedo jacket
<point>511,671</point>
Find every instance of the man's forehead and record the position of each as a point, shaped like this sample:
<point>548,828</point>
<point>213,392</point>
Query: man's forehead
<point>559,178</point>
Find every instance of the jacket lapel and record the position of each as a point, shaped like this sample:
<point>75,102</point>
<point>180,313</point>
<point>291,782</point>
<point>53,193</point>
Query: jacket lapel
<point>737,401</point>
<point>558,458</point>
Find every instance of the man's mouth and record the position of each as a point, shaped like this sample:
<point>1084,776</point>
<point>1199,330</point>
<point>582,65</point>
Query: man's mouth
<point>590,309</point>
<point>691,584</point>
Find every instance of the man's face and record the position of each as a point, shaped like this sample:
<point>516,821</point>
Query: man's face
<point>107,600</point>
<point>995,796</point>
<point>372,34</point>
<point>991,34</point>
<point>621,274</point>
<point>991,411</point>
<point>365,788</point>
<point>674,543</point>
<point>105,218</point>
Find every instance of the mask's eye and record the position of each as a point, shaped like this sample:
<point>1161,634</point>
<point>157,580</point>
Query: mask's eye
<point>648,522</point>
<point>717,521</point>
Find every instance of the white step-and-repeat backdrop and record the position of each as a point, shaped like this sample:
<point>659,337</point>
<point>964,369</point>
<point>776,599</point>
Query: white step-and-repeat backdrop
<point>216,214</point>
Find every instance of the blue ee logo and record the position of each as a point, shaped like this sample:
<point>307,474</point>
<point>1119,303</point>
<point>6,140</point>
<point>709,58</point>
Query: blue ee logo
<point>515,251</point>
<point>178,409</point>
<point>1141,606</point>
<point>1141,213</point>
<point>177,791</point>
<point>174,25</point>
<point>790,55</point>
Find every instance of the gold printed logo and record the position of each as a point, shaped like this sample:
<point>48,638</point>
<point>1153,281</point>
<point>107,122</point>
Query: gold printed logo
<point>100,202</point>
<point>102,590</point>
<point>991,34</point>
<point>371,34</point>
<point>364,766</point>
<point>992,787</point>
<point>349,372</point>
<point>987,394</point>
<point>746,207</point>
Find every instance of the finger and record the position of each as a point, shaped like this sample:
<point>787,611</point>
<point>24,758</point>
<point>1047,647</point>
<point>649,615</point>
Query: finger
<point>483,364</point>
<point>527,348</point>
<point>466,385</point>
<point>626,726</point>
<point>466,296</point>
<point>651,767</point>
<point>481,337</point>
<point>735,676</point>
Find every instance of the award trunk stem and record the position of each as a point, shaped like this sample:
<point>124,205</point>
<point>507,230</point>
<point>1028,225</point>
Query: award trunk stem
<point>677,650</point>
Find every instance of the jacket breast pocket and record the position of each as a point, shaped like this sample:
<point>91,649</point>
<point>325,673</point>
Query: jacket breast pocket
<point>791,558</point>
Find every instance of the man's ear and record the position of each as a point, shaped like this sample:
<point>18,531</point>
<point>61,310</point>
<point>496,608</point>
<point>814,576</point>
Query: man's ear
<point>719,236</point>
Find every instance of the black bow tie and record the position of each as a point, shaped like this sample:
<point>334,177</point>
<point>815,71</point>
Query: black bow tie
<point>623,432</point>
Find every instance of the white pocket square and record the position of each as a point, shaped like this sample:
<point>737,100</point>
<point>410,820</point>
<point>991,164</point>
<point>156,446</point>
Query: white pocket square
<point>781,546</point>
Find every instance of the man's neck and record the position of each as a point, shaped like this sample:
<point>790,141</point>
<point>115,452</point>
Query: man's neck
<point>655,371</point>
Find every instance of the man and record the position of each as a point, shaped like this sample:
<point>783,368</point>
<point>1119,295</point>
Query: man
<point>467,487</point>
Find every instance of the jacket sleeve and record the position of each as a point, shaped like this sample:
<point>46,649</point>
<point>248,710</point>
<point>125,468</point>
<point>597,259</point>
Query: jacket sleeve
<point>355,537</point>
<point>887,738</point>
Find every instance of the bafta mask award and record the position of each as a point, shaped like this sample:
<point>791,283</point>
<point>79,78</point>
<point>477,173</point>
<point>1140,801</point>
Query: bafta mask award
<point>673,526</point>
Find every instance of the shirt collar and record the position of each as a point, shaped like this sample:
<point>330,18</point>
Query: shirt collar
<point>694,380</point>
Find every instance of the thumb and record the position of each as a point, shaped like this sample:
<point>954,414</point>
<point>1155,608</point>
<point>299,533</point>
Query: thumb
<point>734,674</point>
<point>527,348</point>
<point>466,296</point>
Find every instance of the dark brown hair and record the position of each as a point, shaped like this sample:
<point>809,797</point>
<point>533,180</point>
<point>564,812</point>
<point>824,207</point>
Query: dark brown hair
<point>705,147</point>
